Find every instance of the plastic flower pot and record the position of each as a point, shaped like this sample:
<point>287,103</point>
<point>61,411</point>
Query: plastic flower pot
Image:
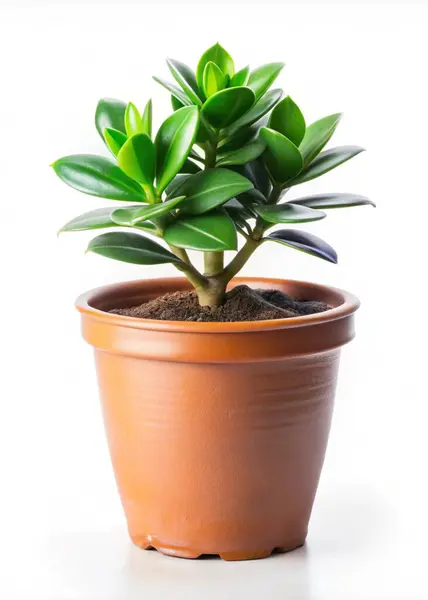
<point>217,431</point>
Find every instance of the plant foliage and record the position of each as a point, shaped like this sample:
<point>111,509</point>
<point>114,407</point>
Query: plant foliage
<point>217,167</point>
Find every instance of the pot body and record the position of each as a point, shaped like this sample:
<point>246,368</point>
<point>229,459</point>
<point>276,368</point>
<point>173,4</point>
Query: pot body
<point>217,431</point>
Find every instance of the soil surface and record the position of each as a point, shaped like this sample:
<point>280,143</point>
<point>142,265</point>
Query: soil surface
<point>241,304</point>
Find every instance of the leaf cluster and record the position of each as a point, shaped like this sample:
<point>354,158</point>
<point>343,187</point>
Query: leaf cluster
<point>219,166</point>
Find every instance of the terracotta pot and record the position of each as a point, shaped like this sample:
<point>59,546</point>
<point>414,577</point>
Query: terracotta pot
<point>217,431</point>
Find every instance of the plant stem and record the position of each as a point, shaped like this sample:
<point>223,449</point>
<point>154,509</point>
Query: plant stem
<point>252,242</point>
<point>151,193</point>
<point>181,253</point>
<point>213,261</point>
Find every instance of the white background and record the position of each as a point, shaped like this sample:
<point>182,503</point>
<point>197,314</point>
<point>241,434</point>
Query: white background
<point>62,533</point>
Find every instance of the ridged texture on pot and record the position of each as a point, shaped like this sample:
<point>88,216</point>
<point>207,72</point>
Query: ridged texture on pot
<point>217,432</point>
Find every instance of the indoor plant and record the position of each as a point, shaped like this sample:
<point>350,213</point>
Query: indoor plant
<point>217,431</point>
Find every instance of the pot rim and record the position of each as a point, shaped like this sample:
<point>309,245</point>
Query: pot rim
<point>345,305</point>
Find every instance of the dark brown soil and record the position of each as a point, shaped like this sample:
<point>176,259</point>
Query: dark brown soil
<point>241,304</point>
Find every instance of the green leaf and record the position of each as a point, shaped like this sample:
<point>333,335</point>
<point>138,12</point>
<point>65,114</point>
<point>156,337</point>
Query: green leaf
<point>101,218</point>
<point>175,103</point>
<point>286,118</point>
<point>226,106</point>
<point>137,158</point>
<point>326,161</point>
<point>213,231</point>
<point>133,121</point>
<point>258,174</point>
<point>242,156</point>
<point>174,141</point>
<point>131,248</point>
<point>238,217</point>
<point>213,79</point>
<point>114,140</point>
<point>260,108</point>
<point>203,134</point>
<point>218,55</point>
<point>317,135</point>
<point>94,219</point>
<point>147,119</point>
<point>98,176</point>
<point>208,189</point>
<point>239,139</point>
<point>240,78</point>
<point>171,188</point>
<point>133,215</point>
<point>185,78</point>
<point>262,78</point>
<point>305,242</point>
<point>110,113</point>
<point>282,157</point>
<point>190,167</point>
<point>288,213</point>
<point>175,91</point>
<point>333,201</point>
<point>250,198</point>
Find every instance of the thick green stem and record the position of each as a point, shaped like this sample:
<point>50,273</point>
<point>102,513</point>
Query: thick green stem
<point>240,259</point>
<point>213,263</point>
<point>180,252</point>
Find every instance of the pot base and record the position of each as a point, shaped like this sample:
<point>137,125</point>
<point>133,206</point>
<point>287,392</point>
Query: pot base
<point>148,543</point>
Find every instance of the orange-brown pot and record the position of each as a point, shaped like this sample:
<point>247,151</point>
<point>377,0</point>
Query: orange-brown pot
<point>217,431</point>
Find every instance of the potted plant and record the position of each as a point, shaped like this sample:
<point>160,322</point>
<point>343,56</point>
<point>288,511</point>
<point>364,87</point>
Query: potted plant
<point>217,404</point>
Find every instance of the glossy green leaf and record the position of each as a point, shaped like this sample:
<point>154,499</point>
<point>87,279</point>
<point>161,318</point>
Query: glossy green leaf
<point>175,184</point>
<point>256,112</point>
<point>326,161</point>
<point>213,231</point>
<point>333,201</point>
<point>114,140</point>
<point>190,167</point>
<point>238,217</point>
<point>137,158</point>
<point>226,106</point>
<point>185,78</point>
<point>135,214</point>
<point>101,218</point>
<point>213,79</point>
<point>262,78</point>
<point>175,91</point>
<point>131,248</point>
<point>176,104</point>
<point>250,198</point>
<point>287,118</point>
<point>203,134</point>
<point>98,176</point>
<point>240,78</point>
<point>110,113</point>
<point>257,173</point>
<point>242,156</point>
<point>94,219</point>
<point>239,139</point>
<point>305,242</point>
<point>133,121</point>
<point>282,157</point>
<point>211,188</point>
<point>147,119</point>
<point>288,213</point>
<point>218,55</point>
<point>174,141</point>
<point>317,135</point>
